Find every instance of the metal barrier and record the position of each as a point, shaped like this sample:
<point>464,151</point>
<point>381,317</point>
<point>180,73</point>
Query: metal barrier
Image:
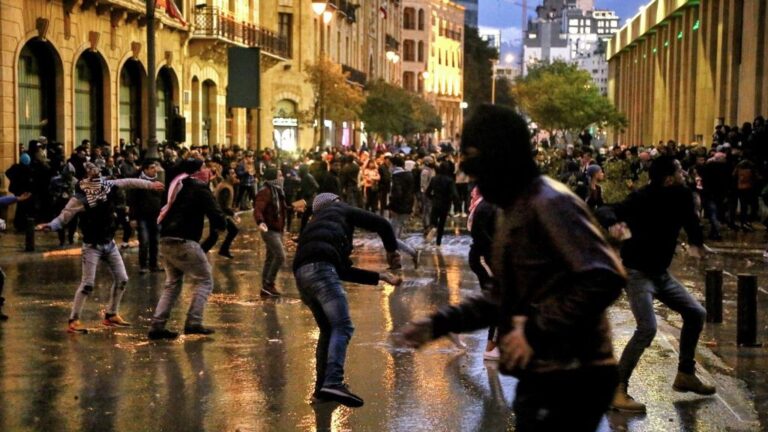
<point>714,295</point>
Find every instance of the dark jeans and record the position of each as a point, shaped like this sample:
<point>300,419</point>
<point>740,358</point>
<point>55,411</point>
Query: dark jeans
<point>641,289</point>
<point>437,219</point>
<point>149,235</point>
<point>462,204</point>
<point>68,232</point>
<point>372,200</point>
<point>321,290</point>
<point>122,218</point>
<point>569,400</point>
<point>748,206</point>
<point>213,237</point>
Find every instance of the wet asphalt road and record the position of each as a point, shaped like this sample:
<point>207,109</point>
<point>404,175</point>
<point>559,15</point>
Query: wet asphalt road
<point>256,373</point>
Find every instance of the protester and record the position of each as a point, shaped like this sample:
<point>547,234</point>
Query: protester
<point>556,281</point>
<point>225,196</point>
<point>269,212</point>
<point>654,216</point>
<point>321,263</point>
<point>144,207</point>
<point>5,201</point>
<point>181,226</point>
<point>95,200</point>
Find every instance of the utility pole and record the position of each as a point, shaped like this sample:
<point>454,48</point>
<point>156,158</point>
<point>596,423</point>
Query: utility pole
<point>151,152</point>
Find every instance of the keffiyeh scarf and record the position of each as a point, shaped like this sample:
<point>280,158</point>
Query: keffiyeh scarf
<point>95,190</point>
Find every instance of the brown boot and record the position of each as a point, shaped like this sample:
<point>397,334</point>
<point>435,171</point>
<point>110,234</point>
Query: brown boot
<point>624,402</point>
<point>685,382</point>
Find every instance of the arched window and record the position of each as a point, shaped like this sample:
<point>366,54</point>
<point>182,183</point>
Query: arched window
<point>421,51</point>
<point>89,98</point>
<point>409,19</point>
<point>131,78</point>
<point>38,91</point>
<point>408,50</point>
<point>164,112</point>
<point>421,19</point>
<point>208,102</point>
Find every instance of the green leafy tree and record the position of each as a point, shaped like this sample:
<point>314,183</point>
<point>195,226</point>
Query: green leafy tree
<point>335,98</point>
<point>561,97</point>
<point>390,109</point>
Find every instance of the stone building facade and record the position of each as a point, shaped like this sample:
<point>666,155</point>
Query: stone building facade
<point>433,58</point>
<point>76,69</point>
<point>679,67</point>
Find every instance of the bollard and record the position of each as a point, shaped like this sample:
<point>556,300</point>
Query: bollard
<point>29,240</point>
<point>746,318</point>
<point>714,296</point>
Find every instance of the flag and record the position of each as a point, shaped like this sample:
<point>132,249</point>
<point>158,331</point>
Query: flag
<point>170,8</point>
<point>383,9</point>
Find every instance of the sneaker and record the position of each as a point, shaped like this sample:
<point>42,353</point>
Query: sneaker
<point>685,382</point>
<point>342,395</point>
<point>431,234</point>
<point>269,291</point>
<point>416,258</point>
<point>391,279</point>
<point>75,326</point>
<point>143,270</point>
<point>393,259</point>
<point>198,329</point>
<point>492,355</point>
<point>115,320</point>
<point>624,402</point>
<point>161,333</point>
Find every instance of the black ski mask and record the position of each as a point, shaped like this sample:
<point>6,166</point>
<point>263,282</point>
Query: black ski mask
<point>496,151</point>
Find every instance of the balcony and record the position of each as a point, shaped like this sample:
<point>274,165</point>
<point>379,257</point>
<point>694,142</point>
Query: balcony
<point>450,34</point>
<point>212,23</point>
<point>391,44</point>
<point>354,76</point>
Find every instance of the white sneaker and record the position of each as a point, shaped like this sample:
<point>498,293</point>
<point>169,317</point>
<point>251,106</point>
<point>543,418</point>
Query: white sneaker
<point>492,355</point>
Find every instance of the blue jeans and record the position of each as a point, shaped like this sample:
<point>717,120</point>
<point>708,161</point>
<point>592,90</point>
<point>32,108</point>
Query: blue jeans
<point>641,289</point>
<point>92,254</point>
<point>275,256</point>
<point>321,290</point>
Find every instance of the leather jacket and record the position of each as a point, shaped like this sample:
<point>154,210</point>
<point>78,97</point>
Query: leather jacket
<point>555,267</point>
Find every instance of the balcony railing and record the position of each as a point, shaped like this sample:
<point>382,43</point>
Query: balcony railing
<point>355,75</point>
<point>210,21</point>
<point>451,34</point>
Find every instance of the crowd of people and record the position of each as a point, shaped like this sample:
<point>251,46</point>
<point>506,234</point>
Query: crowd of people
<point>547,283</point>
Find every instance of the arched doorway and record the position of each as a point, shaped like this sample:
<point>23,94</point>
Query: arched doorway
<point>131,85</point>
<point>195,111</point>
<point>285,124</point>
<point>208,102</point>
<point>165,103</point>
<point>89,83</point>
<point>39,87</point>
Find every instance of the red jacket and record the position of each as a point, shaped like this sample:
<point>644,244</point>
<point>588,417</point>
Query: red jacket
<point>265,210</point>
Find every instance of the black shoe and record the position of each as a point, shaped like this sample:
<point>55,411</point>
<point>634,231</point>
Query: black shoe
<point>156,269</point>
<point>226,254</point>
<point>143,270</point>
<point>269,291</point>
<point>198,329</point>
<point>342,395</point>
<point>156,334</point>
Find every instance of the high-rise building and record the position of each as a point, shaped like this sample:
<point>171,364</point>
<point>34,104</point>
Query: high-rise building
<point>595,62</point>
<point>566,30</point>
<point>433,58</point>
<point>491,35</point>
<point>470,12</point>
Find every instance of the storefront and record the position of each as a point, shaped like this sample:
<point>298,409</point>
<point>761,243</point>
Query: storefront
<point>285,127</point>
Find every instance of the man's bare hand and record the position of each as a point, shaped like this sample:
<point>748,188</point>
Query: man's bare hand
<point>516,353</point>
<point>23,197</point>
<point>43,227</point>
<point>417,333</point>
<point>158,186</point>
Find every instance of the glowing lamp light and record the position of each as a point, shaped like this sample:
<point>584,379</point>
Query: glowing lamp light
<point>680,35</point>
<point>327,16</point>
<point>425,74</point>
<point>464,105</point>
<point>318,7</point>
<point>696,25</point>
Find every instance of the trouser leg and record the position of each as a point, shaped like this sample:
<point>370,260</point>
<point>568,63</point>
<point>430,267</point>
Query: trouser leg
<point>90,261</point>
<point>673,294</point>
<point>119,277</point>
<point>640,292</point>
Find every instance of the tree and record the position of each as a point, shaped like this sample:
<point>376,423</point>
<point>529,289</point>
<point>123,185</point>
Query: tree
<point>335,98</point>
<point>389,109</point>
<point>479,56</point>
<point>561,97</point>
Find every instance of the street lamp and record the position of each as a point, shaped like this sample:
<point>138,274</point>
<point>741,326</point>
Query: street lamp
<point>320,8</point>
